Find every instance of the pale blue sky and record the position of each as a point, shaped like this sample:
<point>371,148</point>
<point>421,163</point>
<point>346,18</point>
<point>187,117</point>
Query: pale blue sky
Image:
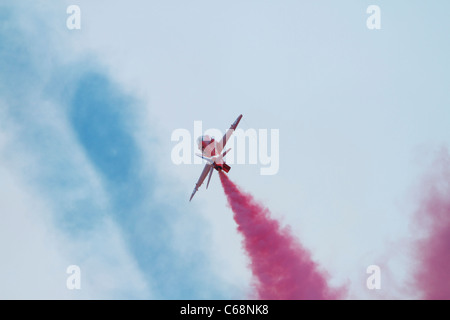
<point>360,114</point>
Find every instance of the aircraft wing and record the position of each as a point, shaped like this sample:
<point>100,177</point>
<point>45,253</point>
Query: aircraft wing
<point>208,167</point>
<point>221,144</point>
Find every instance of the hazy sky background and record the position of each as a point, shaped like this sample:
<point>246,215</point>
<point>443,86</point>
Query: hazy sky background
<point>86,118</point>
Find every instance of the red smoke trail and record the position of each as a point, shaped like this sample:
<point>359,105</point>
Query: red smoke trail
<point>282,268</point>
<point>433,252</point>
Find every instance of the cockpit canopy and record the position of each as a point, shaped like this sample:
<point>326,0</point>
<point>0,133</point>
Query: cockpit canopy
<point>203,141</point>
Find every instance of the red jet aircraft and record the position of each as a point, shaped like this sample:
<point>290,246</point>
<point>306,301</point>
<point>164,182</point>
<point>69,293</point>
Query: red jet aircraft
<point>212,153</point>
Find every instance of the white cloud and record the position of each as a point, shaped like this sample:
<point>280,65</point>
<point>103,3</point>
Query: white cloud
<point>35,251</point>
<point>43,172</point>
<point>346,128</point>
